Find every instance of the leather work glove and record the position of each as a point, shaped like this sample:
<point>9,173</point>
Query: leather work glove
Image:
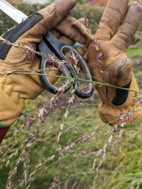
<point>16,88</point>
<point>109,63</point>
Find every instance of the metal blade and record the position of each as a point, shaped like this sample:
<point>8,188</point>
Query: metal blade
<point>12,12</point>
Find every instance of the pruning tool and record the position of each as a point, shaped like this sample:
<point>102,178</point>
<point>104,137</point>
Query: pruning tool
<point>51,46</point>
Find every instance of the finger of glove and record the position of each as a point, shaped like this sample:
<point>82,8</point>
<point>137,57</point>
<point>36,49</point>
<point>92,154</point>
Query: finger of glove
<point>119,73</point>
<point>67,39</point>
<point>56,33</point>
<point>84,21</point>
<point>73,12</point>
<point>111,19</point>
<point>120,96</point>
<point>83,51</point>
<point>129,26</point>
<point>75,30</point>
<point>62,38</point>
<point>52,16</point>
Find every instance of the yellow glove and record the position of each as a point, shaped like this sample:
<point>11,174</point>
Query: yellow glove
<point>110,64</point>
<point>14,89</point>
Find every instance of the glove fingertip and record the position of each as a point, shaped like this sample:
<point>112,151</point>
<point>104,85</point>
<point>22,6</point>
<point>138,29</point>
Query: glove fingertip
<point>73,12</point>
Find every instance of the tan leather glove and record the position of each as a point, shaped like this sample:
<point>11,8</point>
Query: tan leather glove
<point>14,89</point>
<point>110,63</point>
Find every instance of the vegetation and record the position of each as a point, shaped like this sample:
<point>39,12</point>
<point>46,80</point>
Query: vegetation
<point>89,154</point>
<point>134,52</point>
<point>93,13</point>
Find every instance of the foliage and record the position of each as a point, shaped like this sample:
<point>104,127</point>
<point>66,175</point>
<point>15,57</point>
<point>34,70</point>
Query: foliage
<point>98,3</point>
<point>80,1</point>
<point>134,52</point>
<point>13,1</point>
<point>51,135</point>
<point>93,13</point>
<point>139,1</point>
<point>87,154</point>
<point>6,23</point>
<point>69,164</point>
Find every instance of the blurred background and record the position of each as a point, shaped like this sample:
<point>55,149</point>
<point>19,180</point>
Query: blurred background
<point>91,155</point>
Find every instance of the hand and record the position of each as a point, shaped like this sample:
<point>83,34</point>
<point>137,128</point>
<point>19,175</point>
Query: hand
<point>16,88</point>
<point>110,64</point>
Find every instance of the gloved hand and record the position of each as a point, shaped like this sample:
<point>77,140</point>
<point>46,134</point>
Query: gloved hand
<point>16,88</point>
<point>110,64</point>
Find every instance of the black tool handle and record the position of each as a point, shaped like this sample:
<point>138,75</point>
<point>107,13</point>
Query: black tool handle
<point>52,44</point>
<point>42,47</point>
<point>59,48</point>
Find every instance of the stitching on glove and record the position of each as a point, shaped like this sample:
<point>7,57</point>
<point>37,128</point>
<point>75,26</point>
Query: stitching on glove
<point>13,65</point>
<point>16,32</point>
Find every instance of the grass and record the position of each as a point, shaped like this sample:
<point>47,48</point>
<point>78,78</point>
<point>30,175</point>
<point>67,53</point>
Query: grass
<point>74,170</point>
<point>134,52</point>
<point>138,74</point>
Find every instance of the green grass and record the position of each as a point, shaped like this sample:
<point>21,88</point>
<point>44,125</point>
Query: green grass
<point>138,74</point>
<point>74,170</point>
<point>134,52</point>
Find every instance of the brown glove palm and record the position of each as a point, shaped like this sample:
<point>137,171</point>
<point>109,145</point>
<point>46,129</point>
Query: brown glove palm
<point>16,88</point>
<point>110,64</point>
